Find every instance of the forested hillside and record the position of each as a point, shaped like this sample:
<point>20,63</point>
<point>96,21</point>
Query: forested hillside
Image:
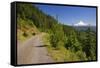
<point>63,42</point>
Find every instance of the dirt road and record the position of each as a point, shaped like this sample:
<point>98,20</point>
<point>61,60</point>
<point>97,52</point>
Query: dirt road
<point>33,51</point>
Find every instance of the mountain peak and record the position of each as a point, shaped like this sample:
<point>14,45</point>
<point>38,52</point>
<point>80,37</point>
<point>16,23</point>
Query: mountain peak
<point>81,23</point>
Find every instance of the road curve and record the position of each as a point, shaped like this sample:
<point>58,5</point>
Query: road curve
<point>32,51</point>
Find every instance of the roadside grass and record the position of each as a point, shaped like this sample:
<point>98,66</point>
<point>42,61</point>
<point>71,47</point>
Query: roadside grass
<point>46,39</point>
<point>25,29</point>
<point>62,54</point>
<point>20,36</point>
<point>24,35</point>
<point>59,55</point>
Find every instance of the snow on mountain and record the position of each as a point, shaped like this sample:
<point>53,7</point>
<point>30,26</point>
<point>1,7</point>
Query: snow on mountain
<point>81,23</point>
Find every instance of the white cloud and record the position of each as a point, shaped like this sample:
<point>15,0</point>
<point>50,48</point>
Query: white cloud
<point>81,23</point>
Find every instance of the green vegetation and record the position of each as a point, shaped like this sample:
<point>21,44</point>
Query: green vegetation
<point>63,42</point>
<point>25,26</point>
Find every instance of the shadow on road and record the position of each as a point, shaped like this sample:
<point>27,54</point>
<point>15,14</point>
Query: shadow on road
<point>41,46</point>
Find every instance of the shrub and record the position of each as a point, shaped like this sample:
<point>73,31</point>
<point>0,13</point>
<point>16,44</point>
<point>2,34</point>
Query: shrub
<point>25,34</point>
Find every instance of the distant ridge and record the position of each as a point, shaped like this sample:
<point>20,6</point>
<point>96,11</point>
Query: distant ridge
<point>83,28</point>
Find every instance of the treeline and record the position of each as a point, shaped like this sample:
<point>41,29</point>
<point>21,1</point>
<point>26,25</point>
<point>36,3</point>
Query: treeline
<point>78,45</point>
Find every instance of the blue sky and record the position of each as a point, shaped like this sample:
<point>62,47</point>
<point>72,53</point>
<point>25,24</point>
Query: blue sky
<point>70,15</point>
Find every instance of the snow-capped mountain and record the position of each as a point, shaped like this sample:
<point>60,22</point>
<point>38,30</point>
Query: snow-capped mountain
<point>83,26</point>
<point>81,23</point>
